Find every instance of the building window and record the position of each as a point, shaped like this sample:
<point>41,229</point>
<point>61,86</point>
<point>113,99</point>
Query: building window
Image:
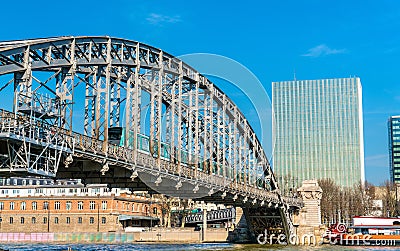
<point>92,205</point>
<point>68,205</point>
<point>11,220</point>
<point>45,205</point>
<point>103,220</point>
<point>57,205</point>
<point>34,205</point>
<point>23,205</point>
<point>80,205</point>
<point>154,210</point>
<point>68,220</point>
<point>104,205</point>
<point>33,220</point>
<point>12,205</point>
<point>44,220</point>
<point>91,220</point>
<point>55,220</point>
<point>22,220</point>
<point>79,220</point>
<point>1,205</point>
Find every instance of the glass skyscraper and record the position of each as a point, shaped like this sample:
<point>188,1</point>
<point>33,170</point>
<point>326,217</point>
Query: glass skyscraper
<point>394,148</point>
<point>318,131</point>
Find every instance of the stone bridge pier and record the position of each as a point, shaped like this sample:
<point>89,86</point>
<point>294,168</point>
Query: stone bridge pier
<point>308,221</point>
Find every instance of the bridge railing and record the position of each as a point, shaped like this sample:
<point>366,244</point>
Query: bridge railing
<point>213,215</point>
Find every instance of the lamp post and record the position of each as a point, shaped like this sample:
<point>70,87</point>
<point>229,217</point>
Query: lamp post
<point>151,217</point>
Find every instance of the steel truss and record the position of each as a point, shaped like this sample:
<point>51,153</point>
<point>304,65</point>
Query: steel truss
<point>188,119</point>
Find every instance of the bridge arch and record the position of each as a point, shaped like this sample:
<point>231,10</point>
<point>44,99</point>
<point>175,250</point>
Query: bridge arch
<point>146,114</point>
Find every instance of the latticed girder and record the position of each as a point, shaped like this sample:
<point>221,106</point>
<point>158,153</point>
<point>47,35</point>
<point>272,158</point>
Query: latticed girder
<point>135,89</point>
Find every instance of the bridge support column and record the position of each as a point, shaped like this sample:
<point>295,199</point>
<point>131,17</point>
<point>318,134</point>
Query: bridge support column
<point>309,218</point>
<point>204,228</point>
<point>311,193</point>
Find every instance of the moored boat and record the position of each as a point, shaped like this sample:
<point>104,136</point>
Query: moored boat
<point>366,230</point>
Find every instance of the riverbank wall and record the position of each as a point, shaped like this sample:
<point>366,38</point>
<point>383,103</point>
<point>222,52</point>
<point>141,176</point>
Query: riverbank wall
<point>154,235</point>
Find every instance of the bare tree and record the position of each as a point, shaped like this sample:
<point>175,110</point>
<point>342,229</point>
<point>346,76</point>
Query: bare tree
<point>185,207</point>
<point>329,200</point>
<point>389,199</point>
<point>343,203</point>
<point>166,207</point>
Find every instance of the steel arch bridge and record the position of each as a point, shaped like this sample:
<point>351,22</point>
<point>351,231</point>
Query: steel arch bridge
<point>115,111</point>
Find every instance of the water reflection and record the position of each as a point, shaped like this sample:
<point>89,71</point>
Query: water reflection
<point>178,247</point>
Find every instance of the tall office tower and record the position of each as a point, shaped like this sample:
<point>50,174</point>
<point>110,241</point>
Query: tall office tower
<point>318,131</point>
<point>394,148</point>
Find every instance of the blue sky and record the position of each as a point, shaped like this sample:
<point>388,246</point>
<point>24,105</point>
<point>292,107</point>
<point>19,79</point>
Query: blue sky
<point>316,39</point>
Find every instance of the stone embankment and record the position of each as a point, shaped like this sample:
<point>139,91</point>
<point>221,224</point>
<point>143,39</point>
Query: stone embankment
<point>154,235</point>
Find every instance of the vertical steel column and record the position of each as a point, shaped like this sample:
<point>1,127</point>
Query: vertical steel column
<point>106,93</point>
<point>136,99</point>
<point>159,114</point>
<point>240,157</point>
<point>224,139</point>
<point>102,98</point>
<point>246,153</point>
<point>132,109</point>
<point>155,110</point>
<point>190,124</point>
<point>231,150</point>
<point>219,135</point>
<point>210,138</point>
<point>153,105</point>
<point>179,115</point>
<point>90,99</point>
<point>254,161</point>
<point>196,125</point>
<point>97,111</point>
<point>235,151</point>
<point>23,84</point>
<point>115,100</point>
<point>64,90</point>
<point>171,122</point>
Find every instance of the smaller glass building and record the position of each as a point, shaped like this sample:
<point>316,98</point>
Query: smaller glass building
<point>394,148</point>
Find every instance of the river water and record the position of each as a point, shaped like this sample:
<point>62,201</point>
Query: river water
<point>181,247</point>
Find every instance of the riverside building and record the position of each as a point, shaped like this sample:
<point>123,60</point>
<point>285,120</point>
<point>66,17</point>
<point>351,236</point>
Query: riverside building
<point>38,205</point>
<point>318,131</point>
<point>394,148</point>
